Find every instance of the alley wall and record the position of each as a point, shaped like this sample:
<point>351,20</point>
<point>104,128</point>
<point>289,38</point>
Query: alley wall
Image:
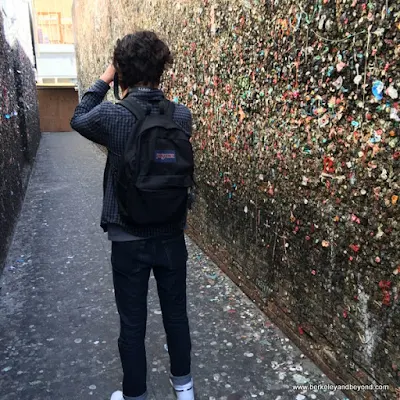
<point>19,118</point>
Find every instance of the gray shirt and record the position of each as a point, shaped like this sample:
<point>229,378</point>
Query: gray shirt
<point>117,234</point>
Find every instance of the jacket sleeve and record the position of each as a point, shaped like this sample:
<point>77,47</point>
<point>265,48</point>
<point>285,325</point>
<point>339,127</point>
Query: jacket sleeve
<point>88,116</point>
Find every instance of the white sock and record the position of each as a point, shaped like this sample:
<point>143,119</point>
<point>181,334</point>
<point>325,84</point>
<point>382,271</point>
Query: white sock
<point>184,392</point>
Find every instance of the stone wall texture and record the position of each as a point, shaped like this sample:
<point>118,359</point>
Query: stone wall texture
<point>296,132</point>
<point>19,133</point>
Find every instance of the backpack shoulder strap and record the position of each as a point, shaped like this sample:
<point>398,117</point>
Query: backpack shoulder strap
<point>167,108</point>
<point>132,105</point>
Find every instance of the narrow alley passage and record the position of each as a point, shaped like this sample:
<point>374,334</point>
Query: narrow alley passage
<point>60,321</point>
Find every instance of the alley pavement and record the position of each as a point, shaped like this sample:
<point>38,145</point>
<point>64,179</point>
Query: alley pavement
<point>58,320</point>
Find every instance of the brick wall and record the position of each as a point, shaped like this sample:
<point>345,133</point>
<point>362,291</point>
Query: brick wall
<point>296,114</point>
<point>19,133</point>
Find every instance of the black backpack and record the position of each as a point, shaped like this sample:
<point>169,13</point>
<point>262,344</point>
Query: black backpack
<point>155,175</point>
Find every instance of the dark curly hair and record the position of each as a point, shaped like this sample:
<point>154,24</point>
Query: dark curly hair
<point>141,57</point>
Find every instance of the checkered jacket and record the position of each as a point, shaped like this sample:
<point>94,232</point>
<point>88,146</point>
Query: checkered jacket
<point>110,125</point>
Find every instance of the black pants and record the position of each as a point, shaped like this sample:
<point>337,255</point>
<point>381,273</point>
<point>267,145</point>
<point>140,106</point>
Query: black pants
<point>132,262</point>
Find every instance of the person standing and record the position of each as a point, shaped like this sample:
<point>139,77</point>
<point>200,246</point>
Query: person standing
<point>147,179</point>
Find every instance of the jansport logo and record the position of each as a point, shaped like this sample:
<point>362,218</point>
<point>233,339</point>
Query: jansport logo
<point>165,156</point>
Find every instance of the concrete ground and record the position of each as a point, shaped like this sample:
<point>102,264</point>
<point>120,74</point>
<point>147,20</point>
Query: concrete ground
<point>58,320</point>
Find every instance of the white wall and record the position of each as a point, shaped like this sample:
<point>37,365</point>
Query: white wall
<point>17,24</point>
<point>56,61</point>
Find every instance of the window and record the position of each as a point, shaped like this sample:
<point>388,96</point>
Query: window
<point>54,21</point>
<point>49,28</point>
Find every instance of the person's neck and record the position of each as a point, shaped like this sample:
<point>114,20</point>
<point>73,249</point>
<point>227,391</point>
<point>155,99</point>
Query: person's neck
<point>125,93</point>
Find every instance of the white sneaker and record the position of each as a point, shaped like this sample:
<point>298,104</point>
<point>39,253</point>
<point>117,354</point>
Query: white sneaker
<point>183,392</point>
<point>117,395</point>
